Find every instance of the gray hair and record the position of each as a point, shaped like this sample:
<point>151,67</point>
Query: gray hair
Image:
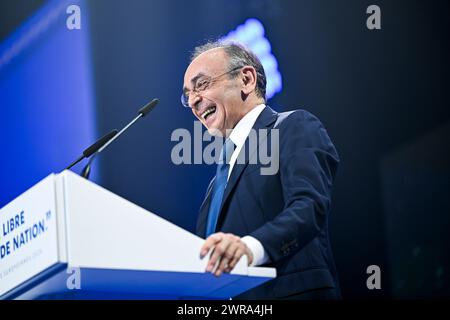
<point>239,56</point>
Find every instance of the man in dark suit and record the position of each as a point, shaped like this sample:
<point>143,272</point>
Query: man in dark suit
<point>277,219</point>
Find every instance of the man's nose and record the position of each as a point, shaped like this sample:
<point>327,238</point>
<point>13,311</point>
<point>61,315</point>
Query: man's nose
<point>194,99</point>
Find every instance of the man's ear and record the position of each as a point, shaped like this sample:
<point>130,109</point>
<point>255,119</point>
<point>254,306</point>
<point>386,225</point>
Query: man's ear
<point>248,76</point>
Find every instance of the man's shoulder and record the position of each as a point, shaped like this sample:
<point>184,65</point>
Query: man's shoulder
<point>296,117</point>
<point>303,128</point>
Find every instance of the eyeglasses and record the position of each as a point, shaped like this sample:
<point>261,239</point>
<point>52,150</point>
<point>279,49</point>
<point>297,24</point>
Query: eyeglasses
<point>201,85</point>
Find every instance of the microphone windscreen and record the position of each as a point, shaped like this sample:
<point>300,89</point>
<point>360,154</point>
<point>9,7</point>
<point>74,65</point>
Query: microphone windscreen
<point>148,107</point>
<point>99,143</point>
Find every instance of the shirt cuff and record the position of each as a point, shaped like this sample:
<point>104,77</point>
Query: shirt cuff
<point>259,254</point>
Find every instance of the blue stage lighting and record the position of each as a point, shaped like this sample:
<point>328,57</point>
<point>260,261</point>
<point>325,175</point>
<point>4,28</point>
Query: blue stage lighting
<point>251,35</point>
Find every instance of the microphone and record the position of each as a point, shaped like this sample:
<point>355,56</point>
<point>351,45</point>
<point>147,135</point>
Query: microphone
<point>141,113</point>
<point>94,147</point>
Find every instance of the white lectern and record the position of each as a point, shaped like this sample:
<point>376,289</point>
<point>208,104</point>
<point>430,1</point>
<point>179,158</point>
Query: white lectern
<point>68,238</point>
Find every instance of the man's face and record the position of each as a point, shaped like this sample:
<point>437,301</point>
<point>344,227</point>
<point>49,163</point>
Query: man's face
<point>218,106</point>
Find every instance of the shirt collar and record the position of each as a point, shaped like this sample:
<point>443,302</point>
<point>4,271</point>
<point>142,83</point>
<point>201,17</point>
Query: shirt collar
<point>243,127</point>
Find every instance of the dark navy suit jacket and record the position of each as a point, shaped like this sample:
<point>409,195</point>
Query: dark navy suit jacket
<point>288,211</point>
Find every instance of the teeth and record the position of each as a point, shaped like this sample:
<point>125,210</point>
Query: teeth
<point>208,112</point>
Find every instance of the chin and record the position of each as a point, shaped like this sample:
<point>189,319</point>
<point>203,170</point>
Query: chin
<point>215,132</point>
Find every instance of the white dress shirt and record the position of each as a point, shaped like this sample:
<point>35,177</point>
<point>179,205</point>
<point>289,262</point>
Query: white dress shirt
<point>238,136</point>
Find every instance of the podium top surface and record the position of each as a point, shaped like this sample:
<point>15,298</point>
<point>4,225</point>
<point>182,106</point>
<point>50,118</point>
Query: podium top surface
<point>66,219</point>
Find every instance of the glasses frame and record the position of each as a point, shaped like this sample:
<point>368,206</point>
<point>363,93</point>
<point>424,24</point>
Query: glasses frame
<point>202,85</point>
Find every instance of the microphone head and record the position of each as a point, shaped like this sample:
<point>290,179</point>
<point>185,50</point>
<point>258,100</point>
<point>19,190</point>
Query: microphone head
<point>148,107</point>
<point>99,143</point>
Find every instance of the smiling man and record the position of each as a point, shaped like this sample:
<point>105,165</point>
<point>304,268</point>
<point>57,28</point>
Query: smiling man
<point>278,220</point>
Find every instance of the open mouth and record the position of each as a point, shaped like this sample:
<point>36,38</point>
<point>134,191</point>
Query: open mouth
<point>208,112</point>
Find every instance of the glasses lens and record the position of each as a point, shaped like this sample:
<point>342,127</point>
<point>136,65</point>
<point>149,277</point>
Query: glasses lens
<point>185,100</point>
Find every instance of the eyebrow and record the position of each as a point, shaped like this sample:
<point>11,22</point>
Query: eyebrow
<point>194,80</point>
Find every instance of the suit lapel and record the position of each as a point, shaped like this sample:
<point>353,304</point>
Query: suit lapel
<point>204,208</point>
<point>264,120</point>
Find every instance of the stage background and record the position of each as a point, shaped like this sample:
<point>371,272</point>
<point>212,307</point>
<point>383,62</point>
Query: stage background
<point>383,96</point>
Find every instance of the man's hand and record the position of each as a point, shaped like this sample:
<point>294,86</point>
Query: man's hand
<point>228,249</point>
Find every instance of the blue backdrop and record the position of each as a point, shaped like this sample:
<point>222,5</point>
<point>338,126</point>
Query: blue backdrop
<point>382,95</point>
<point>47,114</point>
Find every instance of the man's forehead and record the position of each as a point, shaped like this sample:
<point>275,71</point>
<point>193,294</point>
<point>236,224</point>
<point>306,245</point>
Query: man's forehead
<point>207,63</point>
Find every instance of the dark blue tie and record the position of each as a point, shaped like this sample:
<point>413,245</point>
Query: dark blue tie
<point>219,186</point>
